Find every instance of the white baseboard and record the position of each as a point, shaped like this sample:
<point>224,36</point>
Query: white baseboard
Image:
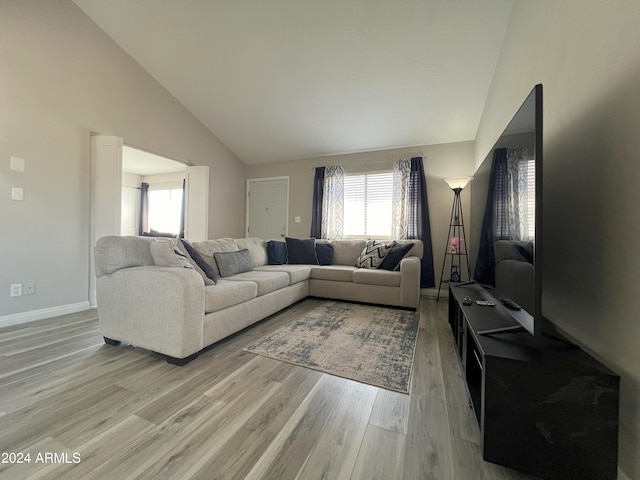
<point>18,318</point>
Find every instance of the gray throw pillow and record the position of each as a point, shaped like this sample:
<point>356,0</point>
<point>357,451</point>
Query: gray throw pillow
<point>230,263</point>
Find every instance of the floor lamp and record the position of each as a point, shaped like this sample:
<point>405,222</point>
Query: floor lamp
<point>456,247</point>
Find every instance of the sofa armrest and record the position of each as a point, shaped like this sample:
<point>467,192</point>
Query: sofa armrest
<point>153,307</point>
<point>514,279</point>
<point>410,282</point>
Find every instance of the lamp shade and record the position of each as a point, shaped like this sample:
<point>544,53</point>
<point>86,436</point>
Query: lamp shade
<point>457,182</point>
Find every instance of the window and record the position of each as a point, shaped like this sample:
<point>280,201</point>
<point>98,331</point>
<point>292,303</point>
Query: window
<point>165,209</point>
<point>531,198</point>
<point>368,204</point>
<point>515,186</point>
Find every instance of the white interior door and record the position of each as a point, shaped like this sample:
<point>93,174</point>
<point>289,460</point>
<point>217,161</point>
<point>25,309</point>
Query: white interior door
<point>268,207</point>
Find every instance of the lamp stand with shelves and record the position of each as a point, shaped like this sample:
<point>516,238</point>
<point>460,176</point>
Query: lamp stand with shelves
<point>456,246</point>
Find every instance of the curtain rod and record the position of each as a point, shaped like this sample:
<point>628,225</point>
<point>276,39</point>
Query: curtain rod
<point>370,163</point>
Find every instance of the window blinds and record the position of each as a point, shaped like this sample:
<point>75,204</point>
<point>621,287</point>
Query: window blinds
<point>367,204</point>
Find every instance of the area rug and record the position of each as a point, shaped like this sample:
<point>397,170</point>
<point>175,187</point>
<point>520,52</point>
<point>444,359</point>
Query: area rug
<point>366,343</point>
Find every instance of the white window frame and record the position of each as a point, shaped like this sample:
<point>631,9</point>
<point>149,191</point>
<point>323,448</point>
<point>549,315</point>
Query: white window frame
<point>366,235</point>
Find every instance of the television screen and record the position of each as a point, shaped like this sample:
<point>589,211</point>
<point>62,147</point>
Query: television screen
<point>506,215</point>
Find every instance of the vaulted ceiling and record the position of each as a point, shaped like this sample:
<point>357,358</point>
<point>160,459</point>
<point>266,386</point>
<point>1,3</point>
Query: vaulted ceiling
<point>279,80</point>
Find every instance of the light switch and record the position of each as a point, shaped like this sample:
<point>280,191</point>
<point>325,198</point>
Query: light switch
<point>297,219</point>
<point>17,164</point>
<point>17,193</point>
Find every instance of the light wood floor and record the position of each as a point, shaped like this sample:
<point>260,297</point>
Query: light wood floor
<point>229,414</point>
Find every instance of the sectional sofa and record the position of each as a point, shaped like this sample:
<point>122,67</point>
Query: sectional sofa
<point>147,301</point>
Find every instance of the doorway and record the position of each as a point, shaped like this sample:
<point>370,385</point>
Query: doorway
<point>268,207</point>
<point>164,179</point>
<point>111,211</point>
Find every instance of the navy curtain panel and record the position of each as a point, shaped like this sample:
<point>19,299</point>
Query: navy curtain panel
<point>183,208</point>
<point>418,220</point>
<point>316,213</point>
<point>143,224</point>
<point>495,224</point>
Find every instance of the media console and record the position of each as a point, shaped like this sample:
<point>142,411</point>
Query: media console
<point>544,406</point>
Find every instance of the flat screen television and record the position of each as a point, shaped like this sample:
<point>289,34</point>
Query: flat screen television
<point>506,217</point>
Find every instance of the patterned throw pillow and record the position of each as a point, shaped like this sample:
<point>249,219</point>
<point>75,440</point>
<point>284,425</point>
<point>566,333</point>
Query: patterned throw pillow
<point>373,254</point>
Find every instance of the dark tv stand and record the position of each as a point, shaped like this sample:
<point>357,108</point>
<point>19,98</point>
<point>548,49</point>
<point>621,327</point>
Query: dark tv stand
<point>494,331</point>
<point>544,406</point>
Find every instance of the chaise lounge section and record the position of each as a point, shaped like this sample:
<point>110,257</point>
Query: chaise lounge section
<point>172,311</point>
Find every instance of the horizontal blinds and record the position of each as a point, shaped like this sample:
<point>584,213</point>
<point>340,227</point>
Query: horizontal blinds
<point>531,198</point>
<point>367,200</point>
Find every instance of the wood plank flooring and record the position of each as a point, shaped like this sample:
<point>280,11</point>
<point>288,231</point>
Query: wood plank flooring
<point>127,414</point>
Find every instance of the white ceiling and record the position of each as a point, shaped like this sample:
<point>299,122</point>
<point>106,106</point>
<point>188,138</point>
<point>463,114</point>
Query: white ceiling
<point>140,162</point>
<point>288,79</point>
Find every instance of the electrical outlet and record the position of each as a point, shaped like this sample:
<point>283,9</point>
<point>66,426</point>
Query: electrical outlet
<point>17,193</point>
<point>16,289</point>
<point>29,288</point>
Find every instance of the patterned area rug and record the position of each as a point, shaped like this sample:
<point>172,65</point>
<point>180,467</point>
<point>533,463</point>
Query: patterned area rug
<point>366,343</point>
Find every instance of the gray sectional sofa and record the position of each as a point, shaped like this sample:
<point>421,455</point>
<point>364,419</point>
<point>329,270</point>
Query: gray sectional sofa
<point>170,309</point>
<point>514,272</point>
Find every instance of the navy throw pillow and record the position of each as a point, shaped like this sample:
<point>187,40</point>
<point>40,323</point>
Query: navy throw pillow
<point>206,268</point>
<point>526,250</point>
<point>276,252</point>
<point>324,252</point>
<point>392,259</point>
<point>301,251</point>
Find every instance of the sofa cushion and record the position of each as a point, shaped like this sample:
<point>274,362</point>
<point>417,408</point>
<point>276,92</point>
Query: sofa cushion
<point>301,251</point>
<point>297,273</point>
<point>392,259</point>
<point>373,254</point>
<point>346,252</point>
<point>324,252</point>
<point>276,252</point>
<point>267,282</point>
<point>227,294</point>
<point>369,276</point>
<point>231,263</point>
<point>257,250</point>
<point>338,273</point>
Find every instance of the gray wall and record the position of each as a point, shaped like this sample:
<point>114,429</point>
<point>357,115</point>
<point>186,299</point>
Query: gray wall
<point>440,161</point>
<point>586,54</point>
<point>62,78</point>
